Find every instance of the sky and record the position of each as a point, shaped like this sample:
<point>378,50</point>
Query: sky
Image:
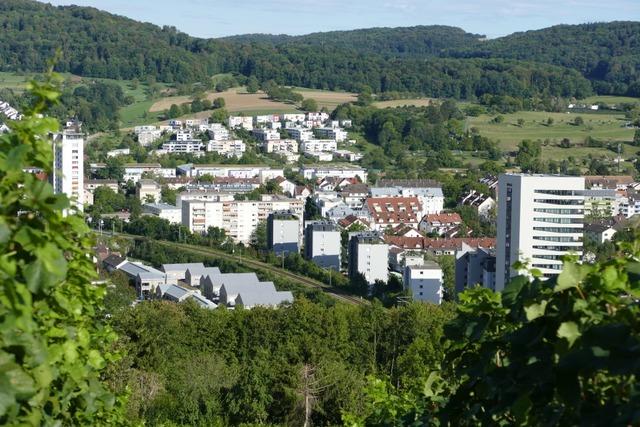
<point>493,18</point>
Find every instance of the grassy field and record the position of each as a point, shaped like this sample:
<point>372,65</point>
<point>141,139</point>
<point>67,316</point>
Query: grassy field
<point>611,100</point>
<point>602,126</point>
<point>418,102</point>
<point>238,100</point>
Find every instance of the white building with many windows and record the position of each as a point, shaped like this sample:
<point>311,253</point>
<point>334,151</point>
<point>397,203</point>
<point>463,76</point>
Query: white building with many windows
<point>540,219</point>
<point>227,148</point>
<point>68,164</point>
<point>316,145</point>
<point>424,281</point>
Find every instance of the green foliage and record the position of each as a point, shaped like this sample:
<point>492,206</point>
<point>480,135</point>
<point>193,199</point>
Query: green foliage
<point>187,365</point>
<point>309,104</point>
<point>253,85</point>
<point>54,344</point>
<point>557,352</point>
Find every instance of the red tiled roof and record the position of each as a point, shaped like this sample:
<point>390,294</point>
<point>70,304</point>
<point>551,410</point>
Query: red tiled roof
<point>444,218</point>
<point>394,210</point>
<point>439,244</point>
<point>348,220</point>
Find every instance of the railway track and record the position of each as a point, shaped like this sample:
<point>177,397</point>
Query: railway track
<point>259,265</point>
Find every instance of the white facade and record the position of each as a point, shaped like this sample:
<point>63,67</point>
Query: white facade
<point>369,256</point>
<point>315,145</point>
<point>280,146</point>
<point>146,138</point>
<point>171,213</point>
<point>190,146</point>
<point>266,134</point>
<point>425,282</point>
<point>332,133</point>
<point>133,171</point>
<point>68,164</point>
<point>322,244</point>
<point>540,219</point>
<point>228,148</point>
<point>300,134</point>
<point>240,121</point>
<point>319,172</point>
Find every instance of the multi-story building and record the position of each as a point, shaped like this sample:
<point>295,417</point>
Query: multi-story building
<point>148,191</point>
<point>475,266</point>
<point>427,191</point>
<point>264,173</point>
<point>368,256</point>
<point>68,164</point>
<point>228,148</point>
<point>171,213</point>
<point>322,244</point>
<point>391,211</point>
<point>184,135</point>
<point>424,281</point>
<point>300,134</point>
<point>283,232</point>
<point>336,171</point>
<point>332,133</point>
<point>146,138</point>
<point>316,145</point>
<point>293,117</point>
<point>203,195</point>
<point>240,122</point>
<point>184,146</point>
<point>134,171</point>
<point>218,133</point>
<point>540,219</point>
<point>91,185</point>
<point>280,146</point>
<point>238,218</point>
<point>266,134</point>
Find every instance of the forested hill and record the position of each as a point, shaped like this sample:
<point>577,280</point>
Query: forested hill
<point>98,44</point>
<point>606,53</point>
<point>436,61</point>
<point>419,41</point>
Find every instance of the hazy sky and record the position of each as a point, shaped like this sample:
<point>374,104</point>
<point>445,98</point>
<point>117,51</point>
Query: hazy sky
<point>214,18</point>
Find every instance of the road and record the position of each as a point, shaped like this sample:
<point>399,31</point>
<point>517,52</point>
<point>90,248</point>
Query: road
<point>259,265</point>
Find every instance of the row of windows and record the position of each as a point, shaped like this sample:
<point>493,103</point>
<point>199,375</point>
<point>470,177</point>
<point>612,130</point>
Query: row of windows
<point>559,211</point>
<point>552,257</point>
<point>559,229</point>
<point>558,239</point>
<point>560,220</point>
<point>557,248</point>
<point>574,202</point>
<point>548,266</point>
<point>560,192</point>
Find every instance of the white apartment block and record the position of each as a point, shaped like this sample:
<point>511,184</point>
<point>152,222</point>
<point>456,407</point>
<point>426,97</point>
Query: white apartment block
<point>133,171</point>
<point>300,134</point>
<point>347,171</point>
<point>190,147</point>
<point>332,133</point>
<point>425,282</point>
<point>171,213</point>
<point>148,191</point>
<point>228,148</point>
<point>68,164</point>
<point>268,118</point>
<point>540,219</point>
<point>369,256</point>
<point>265,173</point>
<point>428,192</point>
<point>184,135</point>
<point>319,156</point>
<point>319,116</point>
<point>219,133</point>
<point>274,125</point>
<point>266,134</point>
<point>119,152</point>
<point>280,146</point>
<point>240,122</point>
<point>147,138</point>
<point>203,196</point>
<point>296,118</point>
<point>322,244</point>
<point>316,145</point>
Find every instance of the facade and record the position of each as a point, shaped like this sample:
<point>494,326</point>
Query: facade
<point>148,191</point>
<point>440,223</point>
<point>240,122</point>
<point>347,171</point>
<point>134,171</point>
<point>482,203</point>
<point>171,213</point>
<point>429,192</point>
<point>68,164</point>
<point>266,134</point>
<point>300,134</point>
<point>280,146</point>
<point>332,133</point>
<point>228,148</point>
<point>283,233</point>
<point>369,256</point>
<point>183,146</point>
<point>424,281</point>
<point>391,211</point>
<point>317,145</point>
<point>90,186</point>
<point>475,266</point>
<point>322,245</point>
<point>540,219</point>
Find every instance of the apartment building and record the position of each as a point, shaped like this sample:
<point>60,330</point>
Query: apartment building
<point>391,211</point>
<point>540,219</point>
<point>283,232</point>
<point>148,191</point>
<point>134,171</point>
<point>184,146</point>
<point>266,134</point>
<point>475,267</point>
<point>146,138</point>
<point>203,195</point>
<point>227,148</point>
<point>424,281</point>
<point>91,185</point>
<point>335,171</point>
<point>322,244</point>
<point>300,134</point>
<point>171,213</point>
<point>240,122</point>
<point>429,192</point>
<point>369,256</point>
<point>68,164</point>
<point>280,146</point>
<point>332,133</point>
<point>317,145</point>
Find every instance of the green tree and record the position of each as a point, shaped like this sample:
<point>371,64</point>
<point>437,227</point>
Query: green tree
<point>219,115</point>
<point>174,111</point>
<point>54,344</point>
<point>253,85</point>
<point>578,121</point>
<point>636,138</point>
<point>219,103</point>
<point>309,104</point>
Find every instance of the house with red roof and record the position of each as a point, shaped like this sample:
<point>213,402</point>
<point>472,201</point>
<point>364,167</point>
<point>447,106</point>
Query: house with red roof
<point>440,223</point>
<point>391,211</point>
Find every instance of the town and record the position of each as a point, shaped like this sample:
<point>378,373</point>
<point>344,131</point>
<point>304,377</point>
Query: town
<point>333,215</point>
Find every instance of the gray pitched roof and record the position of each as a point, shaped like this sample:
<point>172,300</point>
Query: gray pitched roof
<point>135,269</point>
<point>202,301</point>
<point>176,292</point>
<point>181,268</point>
<point>252,298</point>
<point>234,288</point>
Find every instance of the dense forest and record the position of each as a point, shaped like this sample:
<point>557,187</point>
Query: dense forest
<point>434,61</point>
